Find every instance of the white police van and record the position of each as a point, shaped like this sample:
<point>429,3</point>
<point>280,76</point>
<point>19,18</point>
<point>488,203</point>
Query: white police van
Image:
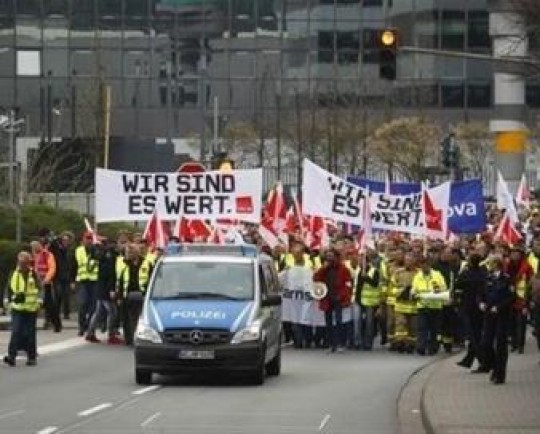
<point>210,307</point>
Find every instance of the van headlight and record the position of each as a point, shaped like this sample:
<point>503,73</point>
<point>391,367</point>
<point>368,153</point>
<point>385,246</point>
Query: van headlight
<point>146,333</point>
<point>251,333</point>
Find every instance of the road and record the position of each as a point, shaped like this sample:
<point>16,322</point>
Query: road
<point>90,389</point>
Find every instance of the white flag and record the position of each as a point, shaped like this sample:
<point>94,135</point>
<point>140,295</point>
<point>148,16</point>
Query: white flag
<point>505,200</point>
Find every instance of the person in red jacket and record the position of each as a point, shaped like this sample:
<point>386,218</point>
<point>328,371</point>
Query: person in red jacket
<point>337,278</point>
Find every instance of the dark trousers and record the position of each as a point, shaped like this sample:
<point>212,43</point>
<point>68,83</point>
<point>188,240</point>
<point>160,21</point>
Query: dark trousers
<point>368,327</point>
<point>287,331</point>
<point>131,310</point>
<point>429,325</point>
<point>495,343</point>
<point>335,329</point>
<point>472,324</point>
<point>64,294</point>
<point>51,302</point>
<point>449,326</point>
<point>86,298</point>
<point>535,314</point>
<point>518,329</point>
<point>23,334</point>
<point>103,307</point>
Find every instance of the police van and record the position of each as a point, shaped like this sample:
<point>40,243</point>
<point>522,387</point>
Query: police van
<point>210,307</point>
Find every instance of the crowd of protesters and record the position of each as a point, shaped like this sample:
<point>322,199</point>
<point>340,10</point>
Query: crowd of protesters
<point>392,290</point>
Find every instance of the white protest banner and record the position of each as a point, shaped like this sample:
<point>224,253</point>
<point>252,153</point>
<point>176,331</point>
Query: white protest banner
<point>327,195</point>
<point>130,196</point>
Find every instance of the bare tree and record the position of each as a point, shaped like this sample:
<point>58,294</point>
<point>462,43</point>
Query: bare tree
<point>475,145</point>
<point>406,144</point>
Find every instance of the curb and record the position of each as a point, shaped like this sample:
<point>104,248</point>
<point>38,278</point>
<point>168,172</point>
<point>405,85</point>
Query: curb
<point>411,410</point>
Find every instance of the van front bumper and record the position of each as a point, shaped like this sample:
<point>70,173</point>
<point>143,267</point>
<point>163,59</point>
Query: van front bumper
<point>167,359</point>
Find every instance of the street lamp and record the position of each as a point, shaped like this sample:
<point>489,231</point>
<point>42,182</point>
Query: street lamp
<point>12,126</point>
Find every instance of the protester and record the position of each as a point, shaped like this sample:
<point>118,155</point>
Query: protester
<point>405,309</point>
<point>24,301</point>
<point>60,248</point>
<point>337,279</point>
<point>428,282</point>
<point>471,284</point>
<point>105,295</point>
<point>84,276</point>
<point>45,268</point>
<point>130,288</point>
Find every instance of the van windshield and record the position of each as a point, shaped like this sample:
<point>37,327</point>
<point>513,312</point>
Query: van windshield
<point>203,280</point>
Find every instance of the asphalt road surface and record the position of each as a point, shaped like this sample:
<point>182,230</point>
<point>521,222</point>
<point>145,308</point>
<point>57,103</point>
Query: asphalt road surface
<point>91,389</point>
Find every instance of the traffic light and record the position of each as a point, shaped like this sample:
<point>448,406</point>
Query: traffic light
<point>450,152</point>
<point>388,46</point>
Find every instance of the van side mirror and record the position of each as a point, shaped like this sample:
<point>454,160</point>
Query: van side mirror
<point>271,300</point>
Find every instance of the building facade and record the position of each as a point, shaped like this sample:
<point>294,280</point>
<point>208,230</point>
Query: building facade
<point>167,61</point>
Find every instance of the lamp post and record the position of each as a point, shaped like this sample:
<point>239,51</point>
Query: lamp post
<point>11,126</point>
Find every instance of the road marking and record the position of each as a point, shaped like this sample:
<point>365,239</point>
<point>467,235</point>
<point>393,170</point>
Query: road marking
<point>11,413</point>
<point>415,410</point>
<point>94,409</point>
<point>145,390</point>
<point>324,422</point>
<point>150,419</point>
<point>61,346</point>
<point>48,430</point>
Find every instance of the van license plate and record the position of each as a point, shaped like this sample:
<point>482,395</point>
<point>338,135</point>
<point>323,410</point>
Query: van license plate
<point>196,355</point>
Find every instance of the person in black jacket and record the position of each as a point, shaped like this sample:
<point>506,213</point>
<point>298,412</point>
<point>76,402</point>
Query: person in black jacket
<point>495,303</point>
<point>60,248</point>
<point>106,285</point>
<point>469,285</point>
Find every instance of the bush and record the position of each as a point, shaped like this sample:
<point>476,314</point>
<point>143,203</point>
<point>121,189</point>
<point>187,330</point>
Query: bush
<point>35,217</point>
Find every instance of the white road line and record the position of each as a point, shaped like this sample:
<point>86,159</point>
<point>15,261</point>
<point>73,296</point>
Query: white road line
<point>48,430</point>
<point>94,409</point>
<point>145,390</point>
<point>150,419</point>
<point>324,422</point>
<point>61,346</point>
<point>11,413</point>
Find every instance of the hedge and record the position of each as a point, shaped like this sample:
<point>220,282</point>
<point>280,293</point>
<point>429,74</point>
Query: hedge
<point>34,218</point>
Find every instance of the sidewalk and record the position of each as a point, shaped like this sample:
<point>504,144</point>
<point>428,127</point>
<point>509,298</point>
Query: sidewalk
<point>455,401</point>
<point>44,337</point>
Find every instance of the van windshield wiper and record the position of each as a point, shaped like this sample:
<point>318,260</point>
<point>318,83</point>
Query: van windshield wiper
<point>197,296</point>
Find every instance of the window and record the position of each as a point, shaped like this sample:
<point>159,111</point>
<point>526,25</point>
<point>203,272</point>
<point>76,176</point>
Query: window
<point>532,95</point>
<point>348,45</point>
<point>452,95</point>
<point>262,282</point>
<point>453,30</point>
<point>370,53</point>
<point>372,3</point>
<point>478,29</point>
<point>479,95</point>
<point>212,279</point>
<point>325,47</point>
<point>28,63</point>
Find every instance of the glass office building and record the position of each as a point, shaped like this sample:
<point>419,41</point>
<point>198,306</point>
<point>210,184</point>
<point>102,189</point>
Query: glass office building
<point>165,61</point>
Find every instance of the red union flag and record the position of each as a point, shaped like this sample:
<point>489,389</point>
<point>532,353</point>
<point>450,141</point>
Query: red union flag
<point>435,203</point>
<point>507,232</point>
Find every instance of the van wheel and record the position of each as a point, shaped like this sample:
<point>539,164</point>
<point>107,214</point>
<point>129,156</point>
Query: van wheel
<point>143,377</point>
<point>274,366</point>
<point>259,373</point>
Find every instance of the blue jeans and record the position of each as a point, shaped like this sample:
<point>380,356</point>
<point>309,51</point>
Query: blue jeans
<point>86,298</point>
<point>336,331</point>
<point>429,326</point>
<point>103,306</point>
<point>23,334</point>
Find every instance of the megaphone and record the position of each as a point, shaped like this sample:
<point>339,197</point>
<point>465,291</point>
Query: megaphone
<point>319,290</point>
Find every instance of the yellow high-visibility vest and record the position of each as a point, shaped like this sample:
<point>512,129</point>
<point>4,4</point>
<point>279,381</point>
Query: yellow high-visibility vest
<point>27,286</point>
<point>423,284</point>
<point>87,268</point>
